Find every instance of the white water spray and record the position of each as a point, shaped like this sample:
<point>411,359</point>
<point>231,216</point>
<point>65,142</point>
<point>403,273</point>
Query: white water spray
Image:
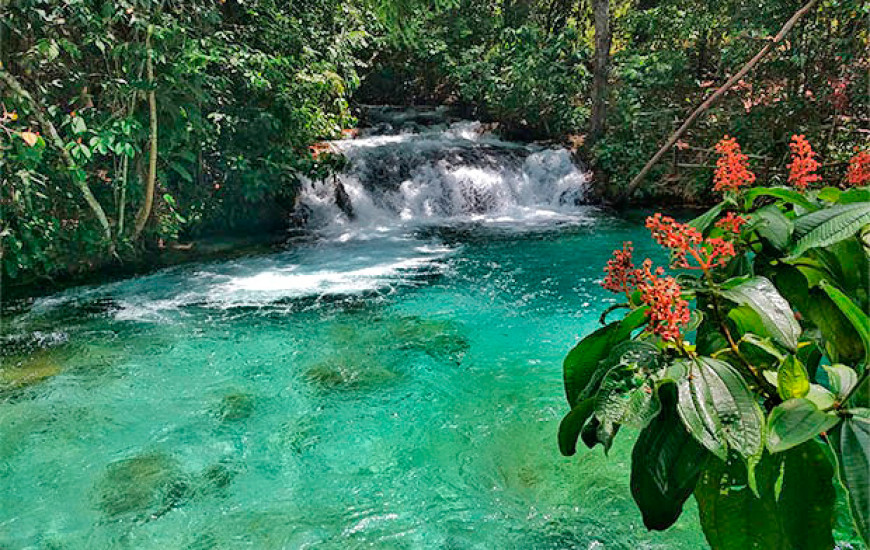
<point>444,174</point>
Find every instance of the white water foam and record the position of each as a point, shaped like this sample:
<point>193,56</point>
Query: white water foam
<point>395,184</point>
<point>446,176</point>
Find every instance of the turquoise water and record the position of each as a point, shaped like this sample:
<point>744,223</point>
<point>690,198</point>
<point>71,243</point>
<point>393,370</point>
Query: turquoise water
<point>398,389</point>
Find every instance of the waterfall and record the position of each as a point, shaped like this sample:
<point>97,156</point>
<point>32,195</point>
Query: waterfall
<point>404,172</point>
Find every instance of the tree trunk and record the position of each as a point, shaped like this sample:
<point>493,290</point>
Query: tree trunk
<point>638,179</point>
<point>145,210</point>
<point>76,173</point>
<point>601,70</point>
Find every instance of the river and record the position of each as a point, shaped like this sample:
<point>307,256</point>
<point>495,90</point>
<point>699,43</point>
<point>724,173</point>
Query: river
<point>391,379</point>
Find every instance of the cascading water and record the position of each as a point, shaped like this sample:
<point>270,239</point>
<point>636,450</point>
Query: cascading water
<point>443,174</point>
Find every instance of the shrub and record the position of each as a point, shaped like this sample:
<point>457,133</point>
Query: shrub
<point>746,372</point>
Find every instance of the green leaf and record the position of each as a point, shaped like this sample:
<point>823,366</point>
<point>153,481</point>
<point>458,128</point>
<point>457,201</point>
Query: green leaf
<point>775,312</point>
<point>703,222</point>
<point>719,410</point>
<point>806,499</point>
<point>746,321</point>
<point>697,414</point>
<point>793,380</point>
<point>597,432</point>
<point>855,469</point>
<point>740,414</point>
<point>179,169</point>
<point>772,226</point>
<point>842,343</point>
<point>796,421</point>
<point>842,379</point>
<point>581,363</point>
<point>625,395</point>
<point>828,226</point>
<point>856,194</point>
<point>853,313</point>
<point>829,194</point>
<point>785,194</point>
<point>569,428</point>
<point>665,464</point>
<point>732,516</point>
<point>821,397</point>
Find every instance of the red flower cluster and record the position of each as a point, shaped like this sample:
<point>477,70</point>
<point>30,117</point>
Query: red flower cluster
<point>731,223</point>
<point>668,312</point>
<point>859,170</point>
<point>621,273</point>
<point>732,167</point>
<point>684,241</point>
<point>803,166</point>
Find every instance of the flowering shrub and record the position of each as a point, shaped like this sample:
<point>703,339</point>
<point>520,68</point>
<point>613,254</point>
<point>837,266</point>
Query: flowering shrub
<point>732,167</point>
<point>746,370</point>
<point>803,166</point>
<point>684,242</point>
<point>859,170</point>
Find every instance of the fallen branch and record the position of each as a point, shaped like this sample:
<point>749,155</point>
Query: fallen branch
<point>638,179</point>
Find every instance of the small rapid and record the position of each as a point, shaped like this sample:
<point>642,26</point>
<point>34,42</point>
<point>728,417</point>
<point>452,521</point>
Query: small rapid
<point>444,174</point>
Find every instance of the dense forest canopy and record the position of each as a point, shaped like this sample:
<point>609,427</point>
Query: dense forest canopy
<point>131,123</point>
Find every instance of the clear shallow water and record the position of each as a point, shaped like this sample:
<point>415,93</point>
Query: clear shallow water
<point>396,389</point>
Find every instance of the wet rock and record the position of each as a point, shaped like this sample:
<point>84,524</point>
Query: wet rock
<point>342,200</point>
<point>145,486</point>
<point>236,406</point>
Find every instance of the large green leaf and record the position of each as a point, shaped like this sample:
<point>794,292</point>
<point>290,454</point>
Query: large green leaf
<point>665,464</point>
<point>856,194</point>
<point>796,421</point>
<point>853,313</point>
<point>828,226</point>
<point>792,380</point>
<point>625,393</point>
<point>807,496</point>
<point>774,311</point>
<point>785,194</point>
<point>842,342</point>
<point>703,222</point>
<point>732,516</point>
<point>569,428</point>
<point>729,403</point>
<point>581,363</point>
<point>772,226</point>
<point>854,454</point>
<point>696,410</point>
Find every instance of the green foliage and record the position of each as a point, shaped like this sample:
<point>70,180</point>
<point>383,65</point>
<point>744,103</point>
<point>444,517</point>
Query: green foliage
<point>772,369</point>
<point>242,89</point>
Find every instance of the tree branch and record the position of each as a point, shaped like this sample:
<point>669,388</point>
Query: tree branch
<point>638,179</point>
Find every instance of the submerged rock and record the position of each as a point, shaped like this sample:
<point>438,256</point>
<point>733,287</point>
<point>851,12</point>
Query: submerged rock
<point>236,406</point>
<point>349,372</point>
<point>19,373</point>
<point>214,480</point>
<point>145,486</point>
<point>438,339</point>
